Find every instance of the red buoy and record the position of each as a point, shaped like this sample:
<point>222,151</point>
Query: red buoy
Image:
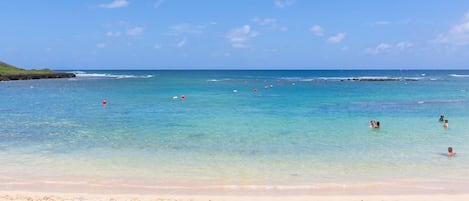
<point>104,102</point>
<point>183,97</point>
<point>254,90</point>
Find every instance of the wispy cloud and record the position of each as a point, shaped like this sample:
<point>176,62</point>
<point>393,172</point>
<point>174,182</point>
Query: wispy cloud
<point>135,31</point>
<point>113,34</point>
<point>270,23</point>
<point>238,37</point>
<point>387,22</point>
<point>264,21</point>
<point>158,46</point>
<point>181,42</point>
<point>381,23</point>
<point>101,45</point>
<point>337,38</point>
<point>317,30</point>
<point>115,4</point>
<point>158,3</point>
<point>380,48</point>
<point>404,45</point>
<point>283,3</point>
<point>457,35</point>
<point>187,28</point>
<point>384,48</point>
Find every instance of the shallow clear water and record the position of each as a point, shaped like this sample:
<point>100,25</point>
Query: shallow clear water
<point>300,127</point>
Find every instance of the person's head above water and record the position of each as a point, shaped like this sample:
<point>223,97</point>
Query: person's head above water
<point>450,151</point>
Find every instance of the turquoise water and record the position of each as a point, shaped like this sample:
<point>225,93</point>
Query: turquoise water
<point>299,128</point>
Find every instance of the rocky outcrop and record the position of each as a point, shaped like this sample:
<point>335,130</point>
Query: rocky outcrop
<point>35,76</point>
<point>379,79</point>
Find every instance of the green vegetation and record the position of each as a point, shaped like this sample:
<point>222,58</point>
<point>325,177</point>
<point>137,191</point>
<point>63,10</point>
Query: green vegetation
<point>7,69</point>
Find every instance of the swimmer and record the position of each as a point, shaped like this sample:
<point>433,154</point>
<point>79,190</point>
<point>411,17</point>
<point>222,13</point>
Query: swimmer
<point>372,124</point>
<point>450,152</point>
<point>442,118</point>
<point>445,125</point>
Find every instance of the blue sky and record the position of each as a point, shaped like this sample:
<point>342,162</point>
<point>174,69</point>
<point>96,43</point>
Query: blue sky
<point>242,34</point>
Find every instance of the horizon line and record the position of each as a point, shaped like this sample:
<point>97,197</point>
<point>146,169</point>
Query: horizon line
<point>269,69</point>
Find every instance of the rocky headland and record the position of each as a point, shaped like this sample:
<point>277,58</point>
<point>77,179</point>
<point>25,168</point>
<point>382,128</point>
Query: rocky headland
<point>9,72</point>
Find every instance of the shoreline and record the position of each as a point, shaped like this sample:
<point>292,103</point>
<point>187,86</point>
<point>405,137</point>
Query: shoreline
<point>162,187</point>
<point>49,196</point>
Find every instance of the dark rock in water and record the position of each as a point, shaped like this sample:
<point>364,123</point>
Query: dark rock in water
<point>36,76</point>
<point>372,79</point>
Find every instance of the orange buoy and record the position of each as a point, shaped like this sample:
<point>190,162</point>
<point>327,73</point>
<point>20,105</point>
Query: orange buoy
<point>183,97</point>
<point>104,102</point>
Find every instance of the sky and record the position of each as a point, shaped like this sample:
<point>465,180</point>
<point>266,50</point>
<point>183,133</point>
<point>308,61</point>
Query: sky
<point>235,34</point>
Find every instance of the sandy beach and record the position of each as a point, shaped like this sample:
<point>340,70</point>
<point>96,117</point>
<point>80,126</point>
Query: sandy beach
<point>12,195</point>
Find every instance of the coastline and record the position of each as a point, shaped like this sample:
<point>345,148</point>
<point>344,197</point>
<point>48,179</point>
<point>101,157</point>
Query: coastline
<point>91,189</point>
<point>35,76</point>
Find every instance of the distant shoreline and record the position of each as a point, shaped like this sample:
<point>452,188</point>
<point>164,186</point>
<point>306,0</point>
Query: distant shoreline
<point>35,76</point>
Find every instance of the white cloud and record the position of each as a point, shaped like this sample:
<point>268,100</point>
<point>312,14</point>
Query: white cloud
<point>382,47</point>
<point>188,28</point>
<point>317,30</point>
<point>337,38</point>
<point>239,36</point>
<point>387,22</point>
<point>264,21</point>
<point>181,42</point>
<point>113,34</point>
<point>458,34</point>
<point>404,45</point>
<point>101,45</point>
<point>115,4</point>
<point>270,23</point>
<point>158,3</point>
<point>135,31</point>
<point>389,48</point>
<point>283,3</point>
<point>157,46</point>
<point>381,23</point>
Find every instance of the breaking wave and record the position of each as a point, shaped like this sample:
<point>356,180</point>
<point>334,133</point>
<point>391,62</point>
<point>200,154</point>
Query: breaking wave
<point>82,74</point>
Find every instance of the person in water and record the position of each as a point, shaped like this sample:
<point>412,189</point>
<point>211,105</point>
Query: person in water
<point>450,152</point>
<point>446,125</point>
<point>442,117</point>
<point>374,124</point>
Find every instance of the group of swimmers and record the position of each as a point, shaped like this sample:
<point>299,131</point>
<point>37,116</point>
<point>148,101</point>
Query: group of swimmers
<point>374,124</point>
<point>445,125</point>
<point>442,119</point>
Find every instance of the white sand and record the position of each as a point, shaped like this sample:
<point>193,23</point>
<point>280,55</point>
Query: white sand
<point>5,195</point>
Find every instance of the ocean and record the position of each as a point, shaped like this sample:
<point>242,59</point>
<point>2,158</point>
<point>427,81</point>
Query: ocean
<point>234,130</point>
